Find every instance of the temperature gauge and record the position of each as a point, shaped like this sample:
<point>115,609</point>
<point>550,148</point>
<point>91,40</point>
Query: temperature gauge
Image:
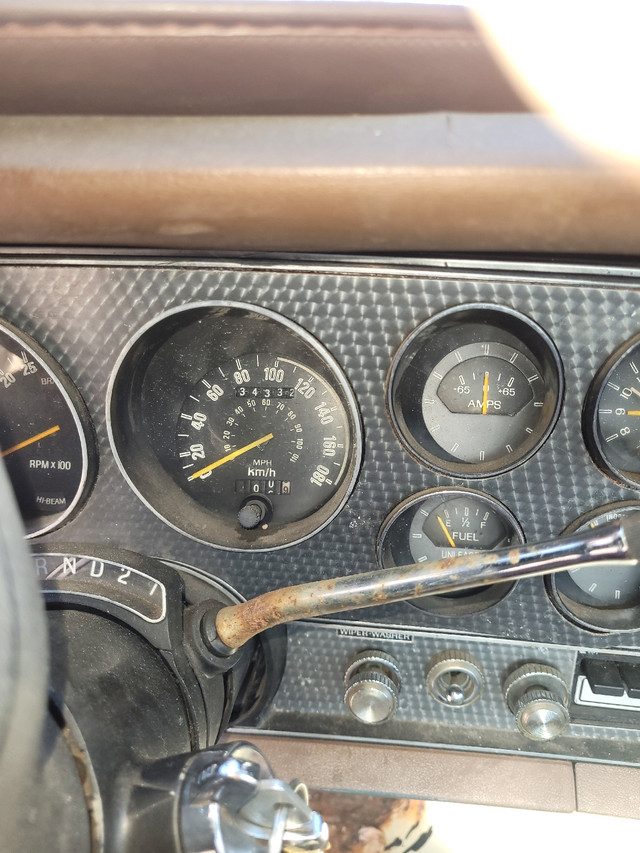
<point>604,597</point>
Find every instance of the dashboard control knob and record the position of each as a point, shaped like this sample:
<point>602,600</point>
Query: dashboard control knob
<point>252,513</point>
<point>373,684</point>
<point>454,678</point>
<point>537,696</point>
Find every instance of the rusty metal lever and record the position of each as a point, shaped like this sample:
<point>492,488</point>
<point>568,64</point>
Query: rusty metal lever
<point>617,543</point>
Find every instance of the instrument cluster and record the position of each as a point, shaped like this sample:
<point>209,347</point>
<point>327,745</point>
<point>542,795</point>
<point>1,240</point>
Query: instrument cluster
<point>246,423</point>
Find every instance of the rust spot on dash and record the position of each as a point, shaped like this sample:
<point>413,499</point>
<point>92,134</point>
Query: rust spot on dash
<point>514,556</point>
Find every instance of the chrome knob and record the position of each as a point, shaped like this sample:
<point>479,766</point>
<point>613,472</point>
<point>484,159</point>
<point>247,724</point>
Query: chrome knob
<point>537,696</point>
<point>372,680</point>
<point>454,678</point>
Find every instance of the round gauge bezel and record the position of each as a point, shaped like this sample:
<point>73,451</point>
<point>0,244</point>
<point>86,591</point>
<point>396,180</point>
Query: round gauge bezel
<point>83,424</point>
<point>227,330</point>
<point>590,422</point>
<point>597,619</point>
<point>448,605</point>
<point>429,343</point>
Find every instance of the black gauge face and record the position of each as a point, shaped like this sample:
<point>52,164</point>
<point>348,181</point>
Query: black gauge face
<point>611,419</point>
<point>262,438</point>
<point>441,523</point>
<point>46,438</point>
<point>603,597</point>
<point>475,390</point>
<point>235,426</point>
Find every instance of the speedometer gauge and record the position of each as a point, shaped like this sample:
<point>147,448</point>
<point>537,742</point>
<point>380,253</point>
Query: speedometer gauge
<point>235,426</point>
<point>262,437</point>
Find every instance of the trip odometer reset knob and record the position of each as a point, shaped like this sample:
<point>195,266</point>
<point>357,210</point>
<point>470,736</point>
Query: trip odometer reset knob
<point>252,513</point>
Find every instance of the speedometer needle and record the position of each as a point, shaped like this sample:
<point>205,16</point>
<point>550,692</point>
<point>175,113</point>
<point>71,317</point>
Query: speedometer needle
<point>485,393</point>
<point>233,455</point>
<point>29,441</point>
<point>446,532</point>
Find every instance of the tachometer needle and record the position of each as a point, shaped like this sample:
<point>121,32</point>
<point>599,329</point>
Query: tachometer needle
<point>485,393</point>
<point>233,455</point>
<point>634,412</point>
<point>444,528</point>
<point>29,441</point>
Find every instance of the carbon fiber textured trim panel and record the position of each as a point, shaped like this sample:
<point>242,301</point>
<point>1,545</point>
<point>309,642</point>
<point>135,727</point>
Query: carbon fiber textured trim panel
<point>313,705</point>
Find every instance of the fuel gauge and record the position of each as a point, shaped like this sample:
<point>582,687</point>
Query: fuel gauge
<point>440,523</point>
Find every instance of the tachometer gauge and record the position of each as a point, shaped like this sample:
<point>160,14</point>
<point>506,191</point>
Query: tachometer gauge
<point>440,523</point>
<point>475,390</point>
<point>604,597</point>
<point>611,415</point>
<point>235,426</point>
<point>46,437</point>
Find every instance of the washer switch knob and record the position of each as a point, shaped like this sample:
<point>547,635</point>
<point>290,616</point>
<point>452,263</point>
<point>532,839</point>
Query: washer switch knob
<point>372,680</point>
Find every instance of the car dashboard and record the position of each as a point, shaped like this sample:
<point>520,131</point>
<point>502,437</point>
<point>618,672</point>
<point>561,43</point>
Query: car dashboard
<point>87,309</point>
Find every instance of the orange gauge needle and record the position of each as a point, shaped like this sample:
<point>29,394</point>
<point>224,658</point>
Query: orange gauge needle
<point>230,456</point>
<point>29,441</point>
<point>634,412</point>
<point>485,393</point>
<point>446,532</point>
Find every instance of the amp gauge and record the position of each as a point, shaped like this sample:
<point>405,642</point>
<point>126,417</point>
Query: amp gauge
<point>440,523</point>
<point>475,390</point>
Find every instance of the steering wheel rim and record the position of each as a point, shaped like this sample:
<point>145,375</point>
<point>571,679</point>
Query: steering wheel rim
<point>23,663</point>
